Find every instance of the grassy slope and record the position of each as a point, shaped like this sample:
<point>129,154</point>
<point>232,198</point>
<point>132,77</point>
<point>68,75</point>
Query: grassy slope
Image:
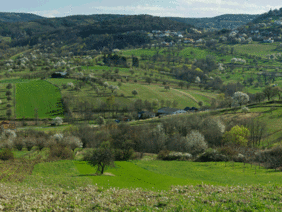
<point>213,173</point>
<point>151,175</point>
<point>37,94</point>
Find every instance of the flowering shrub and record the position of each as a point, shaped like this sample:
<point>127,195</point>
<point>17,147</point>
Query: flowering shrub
<point>196,143</point>
<point>58,137</point>
<point>239,158</point>
<point>245,110</point>
<point>73,142</point>
<point>174,156</point>
<point>8,134</point>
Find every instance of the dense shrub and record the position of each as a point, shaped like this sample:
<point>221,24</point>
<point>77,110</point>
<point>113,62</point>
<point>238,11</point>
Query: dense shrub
<point>6,154</point>
<point>123,155</point>
<point>60,152</point>
<point>211,155</point>
<point>272,158</point>
<point>162,154</point>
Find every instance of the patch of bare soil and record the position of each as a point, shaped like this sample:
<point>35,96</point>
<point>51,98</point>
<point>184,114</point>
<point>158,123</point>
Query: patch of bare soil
<point>109,174</point>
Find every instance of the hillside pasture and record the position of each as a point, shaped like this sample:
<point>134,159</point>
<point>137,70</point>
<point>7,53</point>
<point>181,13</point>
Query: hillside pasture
<point>41,95</point>
<point>257,49</point>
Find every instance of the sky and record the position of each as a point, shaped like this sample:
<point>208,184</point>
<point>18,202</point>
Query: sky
<point>174,8</point>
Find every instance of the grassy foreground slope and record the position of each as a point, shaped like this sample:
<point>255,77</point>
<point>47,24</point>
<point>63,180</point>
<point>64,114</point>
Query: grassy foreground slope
<point>66,185</point>
<point>38,94</point>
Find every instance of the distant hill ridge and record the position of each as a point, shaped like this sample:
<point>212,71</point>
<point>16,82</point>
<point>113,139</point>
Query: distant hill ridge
<point>12,17</point>
<point>227,21</point>
<point>274,14</point>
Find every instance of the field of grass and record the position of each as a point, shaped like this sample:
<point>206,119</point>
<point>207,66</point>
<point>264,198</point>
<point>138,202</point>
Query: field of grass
<point>38,94</point>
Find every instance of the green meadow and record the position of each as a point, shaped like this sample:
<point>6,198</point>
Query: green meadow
<point>151,174</point>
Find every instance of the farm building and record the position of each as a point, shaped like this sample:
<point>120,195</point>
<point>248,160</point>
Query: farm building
<point>190,109</point>
<point>170,111</point>
<point>59,75</point>
<point>6,125</point>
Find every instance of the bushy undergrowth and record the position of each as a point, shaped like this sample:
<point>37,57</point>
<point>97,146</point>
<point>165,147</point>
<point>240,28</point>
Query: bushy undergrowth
<point>178,198</point>
<point>166,155</point>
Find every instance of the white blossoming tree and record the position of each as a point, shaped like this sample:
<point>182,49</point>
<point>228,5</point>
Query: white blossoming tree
<point>240,98</point>
<point>57,121</point>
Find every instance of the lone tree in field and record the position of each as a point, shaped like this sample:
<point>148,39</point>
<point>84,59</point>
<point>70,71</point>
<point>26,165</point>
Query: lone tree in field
<point>181,84</point>
<point>113,88</point>
<point>149,80</point>
<point>240,98</point>
<point>134,92</point>
<point>101,157</point>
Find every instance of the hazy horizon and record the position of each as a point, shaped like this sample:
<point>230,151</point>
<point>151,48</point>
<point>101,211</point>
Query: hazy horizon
<point>162,8</point>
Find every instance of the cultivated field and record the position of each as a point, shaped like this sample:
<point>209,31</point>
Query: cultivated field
<point>40,95</point>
